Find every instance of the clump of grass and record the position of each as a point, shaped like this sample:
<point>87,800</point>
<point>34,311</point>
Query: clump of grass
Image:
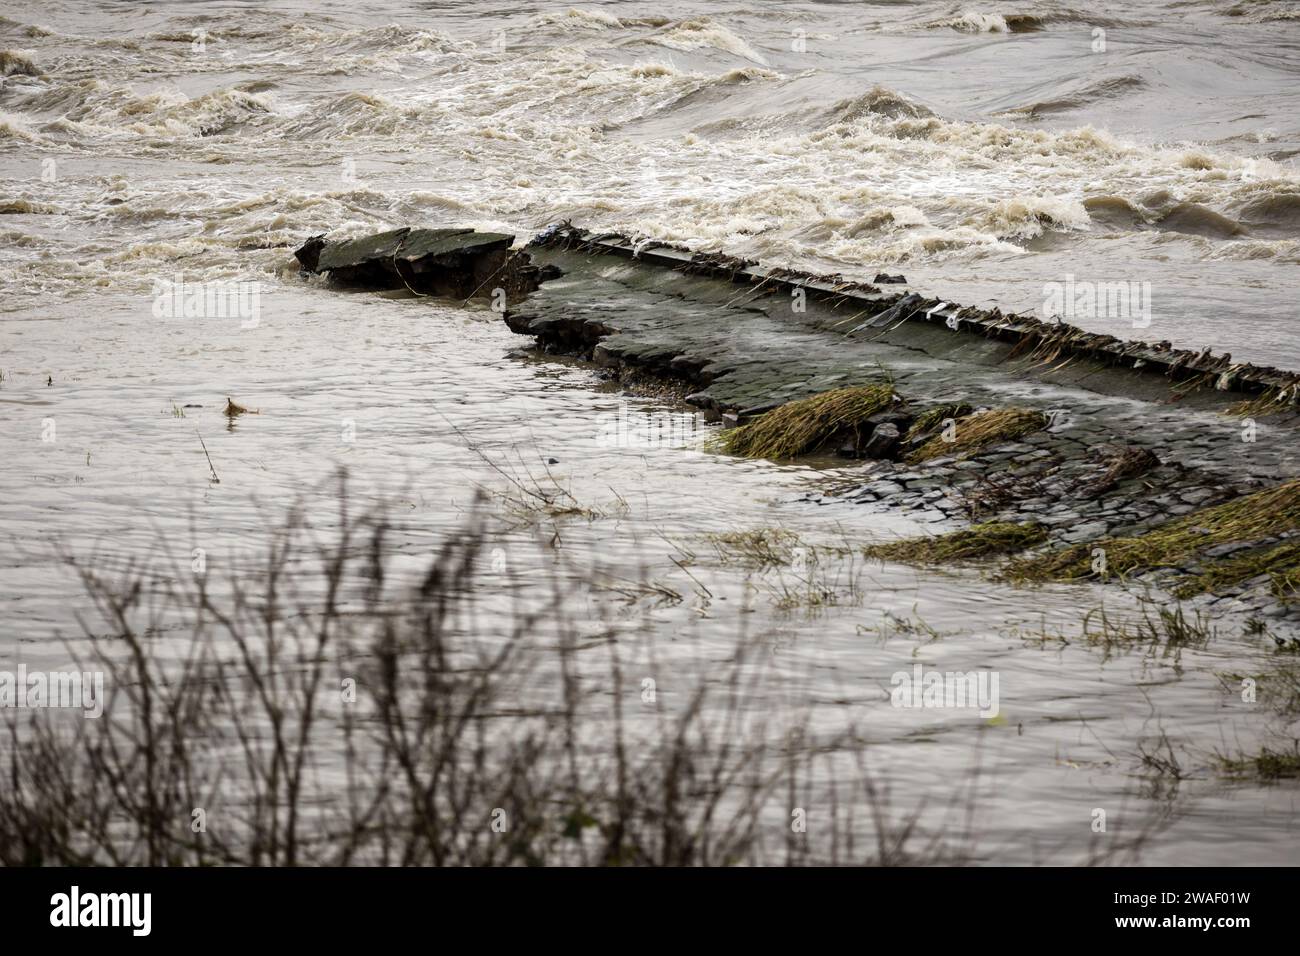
<point>654,593</point>
<point>1129,462</point>
<point>524,507</point>
<point>1248,518</point>
<point>797,428</point>
<point>756,548</point>
<point>815,588</point>
<point>1281,563</point>
<point>1279,688</point>
<point>1268,764</point>
<point>993,492</point>
<point>1161,633</point>
<point>1286,582</point>
<point>977,541</point>
<point>981,430</point>
<point>932,418</point>
<point>1272,402</point>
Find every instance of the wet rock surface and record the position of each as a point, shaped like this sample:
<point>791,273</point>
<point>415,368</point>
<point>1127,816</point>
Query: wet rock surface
<point>451,263</point>
<point>1123,451</point>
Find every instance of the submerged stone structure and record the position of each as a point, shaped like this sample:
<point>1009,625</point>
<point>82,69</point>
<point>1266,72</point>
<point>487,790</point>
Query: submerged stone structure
<point>1065,454</point>
<point>1181,466</point>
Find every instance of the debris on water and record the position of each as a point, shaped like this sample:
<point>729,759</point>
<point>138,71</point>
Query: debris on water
<point>232,409</point>
<point>885,278</point>
<point>1127,462</point>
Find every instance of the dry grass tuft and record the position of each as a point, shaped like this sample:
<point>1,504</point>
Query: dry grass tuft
<point>1281,563</point>
<point>981,430</point>
<point>977,541</point>
<point>1251,517</point>
<point>932,418</point>
<point>1129,462</point>
<point>798,428</point>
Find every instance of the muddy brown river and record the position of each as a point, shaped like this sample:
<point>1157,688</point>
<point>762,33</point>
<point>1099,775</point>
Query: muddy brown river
<point>142,143</point>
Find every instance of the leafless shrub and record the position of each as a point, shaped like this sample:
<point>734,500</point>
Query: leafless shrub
<point>326,710</point>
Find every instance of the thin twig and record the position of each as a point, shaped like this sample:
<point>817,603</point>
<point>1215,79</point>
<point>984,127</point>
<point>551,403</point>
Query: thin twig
<point>215,479</point>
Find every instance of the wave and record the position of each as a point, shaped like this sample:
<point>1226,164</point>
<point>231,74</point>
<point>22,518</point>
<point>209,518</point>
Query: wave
<point>561,99</point>
<point>15,62</point>
<point>975,21</point>
<point>18,207</point>
<point>1081,97</point>
<point>1273,209</point>
<point>1263,11</point>
<point>702,33</point>
<point>576,19</point>
<point>884,220</point>
<point>878,101</point>
<point>24,29</point>
<point>15,128</point>
<point>1114,211</point>
<point>1028,217</point>
<point>920,244</point>
<point>972,22</point>
<point>1197,220</point>
<point>91,107</point>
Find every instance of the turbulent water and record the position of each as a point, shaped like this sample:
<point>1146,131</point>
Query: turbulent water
<point>983,151</point>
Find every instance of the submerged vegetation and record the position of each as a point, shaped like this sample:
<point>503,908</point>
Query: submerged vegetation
<point>1268,765</point>
<point>1281,563</point>
<point>1253,517</point>
<point>977,541</point>
<point>1279,687</point>
<point>1168,629</point>
<point>980,430</point>
<point>809,424</point>
<point>1161,633</point>
<point>756,548</point>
